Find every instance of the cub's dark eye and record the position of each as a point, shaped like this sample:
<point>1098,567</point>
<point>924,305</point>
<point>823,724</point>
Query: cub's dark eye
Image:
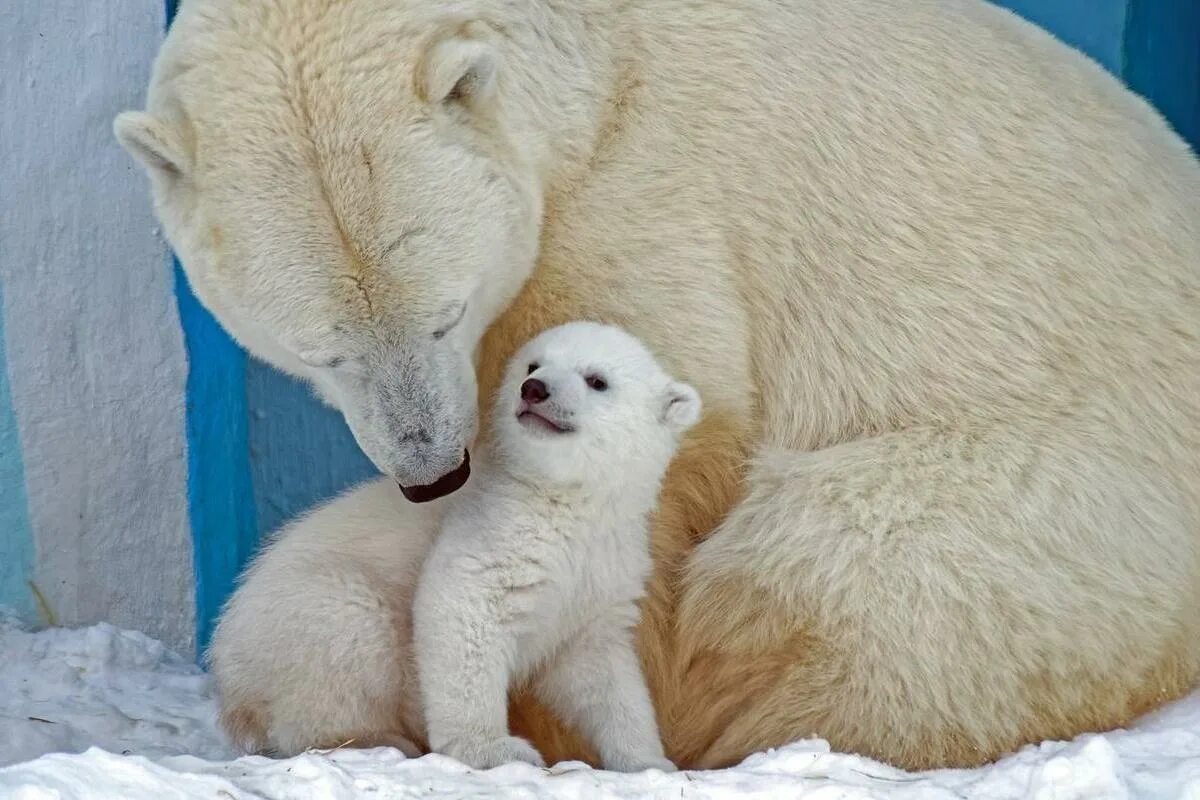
<point>533,368</point>
<point>596,383</point>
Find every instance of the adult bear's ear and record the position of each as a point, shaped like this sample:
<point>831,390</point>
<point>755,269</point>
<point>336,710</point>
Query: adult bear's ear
<point>459,68</point>
<point>155,144</point>
<point>681,407</point>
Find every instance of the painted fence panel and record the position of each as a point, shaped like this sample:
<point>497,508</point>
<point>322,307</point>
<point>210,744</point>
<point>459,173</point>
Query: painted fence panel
<point>94,358</point>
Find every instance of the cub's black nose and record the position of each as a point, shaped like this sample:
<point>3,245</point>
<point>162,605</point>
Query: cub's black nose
<point>534,391</point>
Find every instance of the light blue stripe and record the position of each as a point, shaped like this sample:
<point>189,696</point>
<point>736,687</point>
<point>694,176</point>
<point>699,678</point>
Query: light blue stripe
<point>220,495</point>
<point>16,535</point>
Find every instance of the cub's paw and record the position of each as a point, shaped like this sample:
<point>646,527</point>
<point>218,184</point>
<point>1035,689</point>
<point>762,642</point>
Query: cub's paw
<point>637,762</point>
<point>489,753</point>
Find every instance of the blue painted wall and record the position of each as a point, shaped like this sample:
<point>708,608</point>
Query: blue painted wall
<point>1153,45</point>
<point>1093,26</point>
<point>16,536</point>
<point>301,451</point>
<point>1161,59</point>
<point>220,494</point>
<point>221,501</point>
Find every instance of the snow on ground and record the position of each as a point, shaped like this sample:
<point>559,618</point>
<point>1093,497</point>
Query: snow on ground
<point>105,713</point>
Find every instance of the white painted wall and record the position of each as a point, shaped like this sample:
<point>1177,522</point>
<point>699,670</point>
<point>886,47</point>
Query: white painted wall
<point>95,353</point>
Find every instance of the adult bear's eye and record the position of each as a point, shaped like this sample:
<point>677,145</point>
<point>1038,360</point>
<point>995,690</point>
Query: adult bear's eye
<point>533,368</point>
<point>596,383</point>
<point>441,332</point>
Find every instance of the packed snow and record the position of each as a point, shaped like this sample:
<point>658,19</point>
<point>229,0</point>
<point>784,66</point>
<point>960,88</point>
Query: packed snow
<point>99,713</point>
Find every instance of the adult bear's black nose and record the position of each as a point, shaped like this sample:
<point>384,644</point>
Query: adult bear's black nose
<point>534,391</point>
<point>447,484</point>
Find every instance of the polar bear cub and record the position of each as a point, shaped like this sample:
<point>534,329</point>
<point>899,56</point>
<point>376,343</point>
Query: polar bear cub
<point>539,567</point>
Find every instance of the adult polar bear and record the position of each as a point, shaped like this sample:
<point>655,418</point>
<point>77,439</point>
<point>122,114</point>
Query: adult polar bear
<point>935,275</point>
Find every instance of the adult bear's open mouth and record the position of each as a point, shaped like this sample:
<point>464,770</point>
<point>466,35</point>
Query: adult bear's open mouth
<point>447,484</point>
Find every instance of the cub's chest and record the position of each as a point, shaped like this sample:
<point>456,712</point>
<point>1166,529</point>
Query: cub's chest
<point>599,566</point>
<point>582,563</point>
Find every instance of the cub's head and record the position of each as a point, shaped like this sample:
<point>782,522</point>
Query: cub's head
<point>586,402</point>
<point>347,196</point>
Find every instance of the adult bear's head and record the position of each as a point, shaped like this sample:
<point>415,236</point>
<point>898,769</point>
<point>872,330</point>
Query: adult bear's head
<point>351,198</point>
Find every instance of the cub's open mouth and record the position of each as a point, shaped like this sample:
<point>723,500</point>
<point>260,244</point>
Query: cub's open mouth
<point>531,418</point>
<point>447,484</point>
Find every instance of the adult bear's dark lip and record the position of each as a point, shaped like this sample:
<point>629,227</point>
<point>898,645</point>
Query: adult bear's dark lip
<point>447,484</point>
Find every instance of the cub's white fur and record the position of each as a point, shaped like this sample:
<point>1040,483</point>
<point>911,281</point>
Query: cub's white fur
<point>343,577</point>
<point>539,566</point>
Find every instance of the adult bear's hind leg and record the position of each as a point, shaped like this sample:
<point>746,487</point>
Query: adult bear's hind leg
<point>935,597</point>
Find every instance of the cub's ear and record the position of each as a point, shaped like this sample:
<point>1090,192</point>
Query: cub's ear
<point>681,407</point>
<point>460,68</point>
<point>155,144</point>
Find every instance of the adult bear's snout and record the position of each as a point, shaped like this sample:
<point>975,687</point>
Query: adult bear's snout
<point>447,484</point>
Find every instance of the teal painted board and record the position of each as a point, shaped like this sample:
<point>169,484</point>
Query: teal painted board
<point>219,488</point>
<point>16,535</point>
<point>1162,60</point>
<point>301,451</point>
<point>1093,26</point>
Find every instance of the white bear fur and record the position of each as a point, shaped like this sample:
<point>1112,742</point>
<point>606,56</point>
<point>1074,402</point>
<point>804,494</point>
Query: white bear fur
<point>935,275</point>
<point>538,569</point>
<point>283,692</point>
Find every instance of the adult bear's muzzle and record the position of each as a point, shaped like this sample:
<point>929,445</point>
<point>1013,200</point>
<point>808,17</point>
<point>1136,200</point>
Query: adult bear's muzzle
<point>447,484</point>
